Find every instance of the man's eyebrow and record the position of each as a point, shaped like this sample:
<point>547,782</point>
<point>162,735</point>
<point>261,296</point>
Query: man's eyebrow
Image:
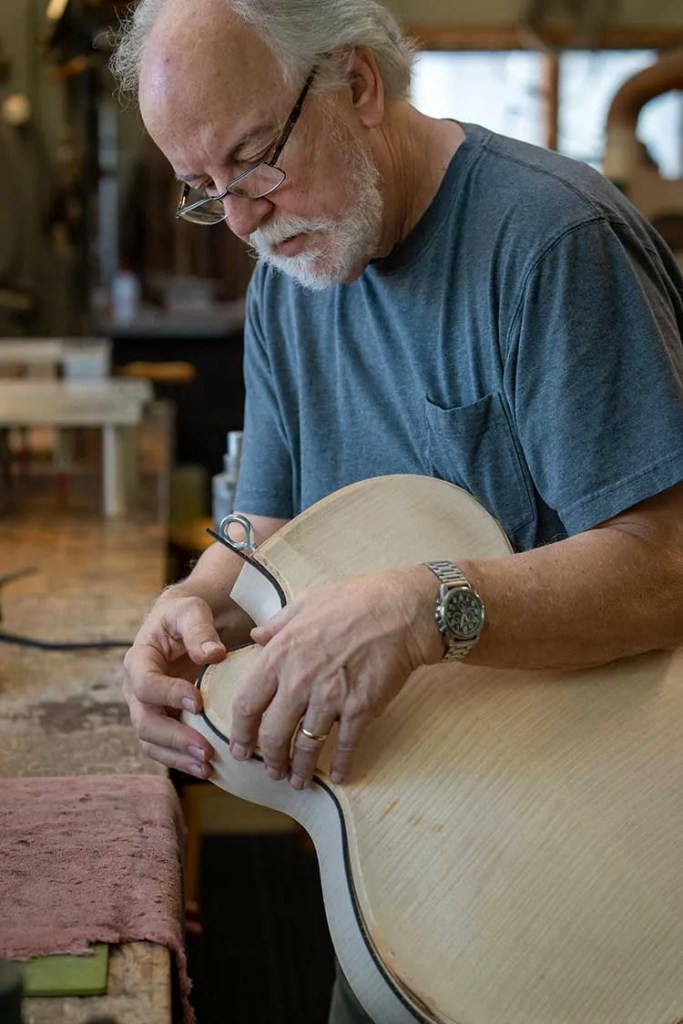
<point>247,139</point>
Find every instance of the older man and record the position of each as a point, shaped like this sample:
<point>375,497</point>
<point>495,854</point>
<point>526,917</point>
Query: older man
<point>430,298</point>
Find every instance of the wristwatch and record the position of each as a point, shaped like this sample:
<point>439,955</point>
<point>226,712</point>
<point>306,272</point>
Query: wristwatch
<point>459,610</point>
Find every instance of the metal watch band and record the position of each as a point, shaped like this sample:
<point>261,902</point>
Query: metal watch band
<point>448,573</point>
<point>450,576</point>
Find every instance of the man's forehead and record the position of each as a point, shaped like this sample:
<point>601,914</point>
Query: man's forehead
<point>211,44</point>
<point>223,96</point>
<point>200,63</point>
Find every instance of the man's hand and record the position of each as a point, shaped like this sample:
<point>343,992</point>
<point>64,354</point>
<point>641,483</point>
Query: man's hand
<point>178,637</point>
<point>175,640</point>
<point>338,654</point>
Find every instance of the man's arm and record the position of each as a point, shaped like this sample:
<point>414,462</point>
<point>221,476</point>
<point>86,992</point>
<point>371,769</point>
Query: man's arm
<point>213,577</point>
<point>613,591</point>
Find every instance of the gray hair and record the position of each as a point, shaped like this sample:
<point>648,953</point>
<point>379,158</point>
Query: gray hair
<point>299,33</point>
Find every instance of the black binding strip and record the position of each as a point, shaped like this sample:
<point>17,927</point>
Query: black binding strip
<point>253,562</point>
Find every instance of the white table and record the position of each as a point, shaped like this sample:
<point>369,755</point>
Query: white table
<point>115,405</point>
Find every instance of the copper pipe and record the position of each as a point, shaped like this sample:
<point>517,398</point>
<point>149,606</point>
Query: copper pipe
<point>665,75</point>
<point>623,151</point>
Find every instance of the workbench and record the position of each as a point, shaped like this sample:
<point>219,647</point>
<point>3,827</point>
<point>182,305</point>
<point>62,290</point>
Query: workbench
<point>62,713</point>
<point>115,406</point>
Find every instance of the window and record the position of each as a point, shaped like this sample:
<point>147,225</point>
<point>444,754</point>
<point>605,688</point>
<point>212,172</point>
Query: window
<point>504,91</point>
<point>498,90</point>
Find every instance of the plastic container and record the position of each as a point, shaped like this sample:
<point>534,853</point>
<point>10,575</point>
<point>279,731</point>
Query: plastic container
<point>125,297</point>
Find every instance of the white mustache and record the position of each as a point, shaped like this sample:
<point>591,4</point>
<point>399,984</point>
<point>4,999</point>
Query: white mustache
<point>264,238</point>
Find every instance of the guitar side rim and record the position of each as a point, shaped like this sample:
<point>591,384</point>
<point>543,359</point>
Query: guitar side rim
<point>392,1003</point>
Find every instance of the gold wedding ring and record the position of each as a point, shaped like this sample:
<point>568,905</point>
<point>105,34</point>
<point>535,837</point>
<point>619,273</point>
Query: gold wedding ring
<point>316,737</point>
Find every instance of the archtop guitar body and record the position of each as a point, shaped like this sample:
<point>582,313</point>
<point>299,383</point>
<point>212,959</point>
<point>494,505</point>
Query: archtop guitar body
<point>509,847</point>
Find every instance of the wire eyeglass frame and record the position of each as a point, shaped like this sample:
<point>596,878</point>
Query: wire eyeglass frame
<point>210,209</point>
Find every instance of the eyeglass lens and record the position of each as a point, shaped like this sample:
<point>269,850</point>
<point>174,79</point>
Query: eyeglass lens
<point>254,184</point>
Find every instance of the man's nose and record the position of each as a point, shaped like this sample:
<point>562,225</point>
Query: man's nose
<point>243,216</point>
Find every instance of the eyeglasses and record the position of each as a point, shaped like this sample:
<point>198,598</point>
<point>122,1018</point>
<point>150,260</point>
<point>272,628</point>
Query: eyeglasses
<point>200,207</point>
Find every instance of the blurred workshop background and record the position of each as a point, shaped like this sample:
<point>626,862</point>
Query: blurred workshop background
<point>121,394</point>
<point>89,248</point>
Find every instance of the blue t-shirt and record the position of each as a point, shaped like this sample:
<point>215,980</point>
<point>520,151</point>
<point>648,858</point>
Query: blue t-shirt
<point>523,342</point>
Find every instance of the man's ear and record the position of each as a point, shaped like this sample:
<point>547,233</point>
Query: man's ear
<point>367,87</point>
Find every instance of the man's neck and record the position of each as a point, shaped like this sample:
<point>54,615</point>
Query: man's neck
<point>415,153</point>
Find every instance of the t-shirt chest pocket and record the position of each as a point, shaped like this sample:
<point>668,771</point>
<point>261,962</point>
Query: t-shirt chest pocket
<point>473,446</point>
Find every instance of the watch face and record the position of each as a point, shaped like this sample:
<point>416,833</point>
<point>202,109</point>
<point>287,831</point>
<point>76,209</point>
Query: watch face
<point>463,614</point>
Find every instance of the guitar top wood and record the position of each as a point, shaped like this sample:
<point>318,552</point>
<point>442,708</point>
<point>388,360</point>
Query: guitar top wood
<point>508,848</point>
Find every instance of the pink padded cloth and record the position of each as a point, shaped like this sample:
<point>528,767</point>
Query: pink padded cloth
<point>91,858</point>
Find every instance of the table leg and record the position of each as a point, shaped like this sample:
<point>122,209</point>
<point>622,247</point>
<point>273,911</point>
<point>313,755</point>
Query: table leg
<point>114,471</point>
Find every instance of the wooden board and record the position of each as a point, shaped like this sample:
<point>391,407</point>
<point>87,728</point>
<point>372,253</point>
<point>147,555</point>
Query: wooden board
<point>76,403</point>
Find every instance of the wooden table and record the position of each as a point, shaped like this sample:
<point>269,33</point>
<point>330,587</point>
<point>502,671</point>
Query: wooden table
<point>63,713</point>
<point>113,405</point>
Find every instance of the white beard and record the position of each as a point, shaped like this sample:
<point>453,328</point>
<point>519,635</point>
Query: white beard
<point>344,244</point>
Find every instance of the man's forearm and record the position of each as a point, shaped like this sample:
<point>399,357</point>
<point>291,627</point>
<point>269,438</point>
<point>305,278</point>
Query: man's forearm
<point>608,593</point>
<point>213,578</point>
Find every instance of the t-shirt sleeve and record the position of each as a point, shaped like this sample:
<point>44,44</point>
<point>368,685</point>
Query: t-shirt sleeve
<point>594,373</point>
<point>264,485</point>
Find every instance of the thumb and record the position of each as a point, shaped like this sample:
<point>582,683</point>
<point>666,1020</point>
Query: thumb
<point>199,635</point>
<point>262,634</point>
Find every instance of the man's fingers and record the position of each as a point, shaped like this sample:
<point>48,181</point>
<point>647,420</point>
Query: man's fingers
<point>308,743</point>
<point>251,699</point>
<point>174,759</point>
<point>161,667</point>
<point>194,622</point>
<point>162,731</point>
<point>262,634</point>
<point>155,688</point>
<point>346,745</point>
<point>278,725</point>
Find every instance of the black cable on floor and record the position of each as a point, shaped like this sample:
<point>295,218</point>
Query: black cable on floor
<point>51,645</point>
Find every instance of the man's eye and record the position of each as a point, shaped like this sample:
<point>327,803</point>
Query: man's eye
<point>203,189</point>
<point>252,161</point>
<point>209,190</point>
